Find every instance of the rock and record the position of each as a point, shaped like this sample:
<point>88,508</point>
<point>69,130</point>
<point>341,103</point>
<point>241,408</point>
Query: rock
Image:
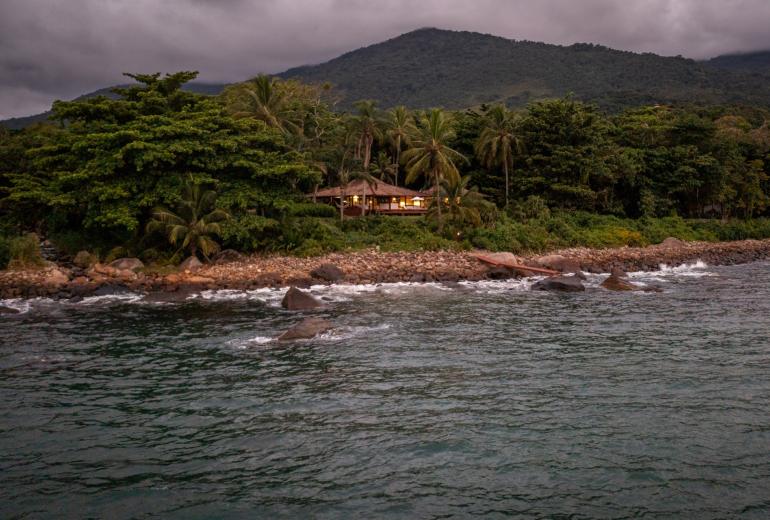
<point>328,272</point>
<point>559,263</point>
<point>101,269</point>
<point>499,273</point>
<point>306,329</point>
<point>191,264</point>
<point>671,243</point>
<point>228,255</point>
<point>616,283</point>
<point>296,300</point>
<point>110,289</point>
<point>417,278</point>
<point>84,259</point>
<point>8,310</point>
<point>134,264</point>
<point>56,278</point>
<point>619,272</point>
<point>560,283</point>
<point>198,280</point>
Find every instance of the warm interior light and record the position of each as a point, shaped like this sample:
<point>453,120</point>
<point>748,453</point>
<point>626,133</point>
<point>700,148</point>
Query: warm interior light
<point>402,204</point>
<point>355,198</point>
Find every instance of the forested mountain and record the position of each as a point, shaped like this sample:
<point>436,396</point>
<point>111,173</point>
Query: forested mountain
<point>432,67</point>
<point>452,69</point>
<point>752,62</point>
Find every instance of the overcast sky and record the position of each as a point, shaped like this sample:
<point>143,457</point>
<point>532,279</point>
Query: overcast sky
<point>58,49</point>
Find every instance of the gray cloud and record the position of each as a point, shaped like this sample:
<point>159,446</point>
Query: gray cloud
<point>51,49</point>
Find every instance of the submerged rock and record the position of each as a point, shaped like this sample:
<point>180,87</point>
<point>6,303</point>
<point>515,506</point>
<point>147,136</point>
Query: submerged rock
<point>306,329</point>
<point>560,283</point>
<point>328,272</point>
<point>8,310</point>
<point>296,300</point>
<point>132,264</point>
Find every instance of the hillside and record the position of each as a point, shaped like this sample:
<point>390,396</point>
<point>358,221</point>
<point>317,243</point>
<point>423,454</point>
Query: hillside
<point>17,123</point>
<point>753,62</point>
<point>432,67</point>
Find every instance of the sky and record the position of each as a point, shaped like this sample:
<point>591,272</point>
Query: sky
<point>59,49</point>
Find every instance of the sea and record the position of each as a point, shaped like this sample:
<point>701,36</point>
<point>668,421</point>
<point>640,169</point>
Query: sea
<point>426,401</point>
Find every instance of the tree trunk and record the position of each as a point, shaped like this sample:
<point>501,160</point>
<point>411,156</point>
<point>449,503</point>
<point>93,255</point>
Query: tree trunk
<point>368,152</point>
<point>363,202</point>
<point>438,201</point>
<point>398,158</point>
<point>505,169</point>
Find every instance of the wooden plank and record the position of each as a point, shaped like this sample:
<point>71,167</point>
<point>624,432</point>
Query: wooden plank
<point>509,265</point>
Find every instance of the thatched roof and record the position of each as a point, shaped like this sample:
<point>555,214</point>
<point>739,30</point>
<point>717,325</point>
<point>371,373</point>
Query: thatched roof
<point>376,189</point>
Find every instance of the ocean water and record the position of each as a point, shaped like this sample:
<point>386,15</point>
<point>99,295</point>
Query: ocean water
<point>427,401</point>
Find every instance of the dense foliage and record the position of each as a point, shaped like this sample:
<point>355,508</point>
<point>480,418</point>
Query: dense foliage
<point>155,170</point>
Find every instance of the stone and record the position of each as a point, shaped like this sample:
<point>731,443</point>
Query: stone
<point>672,243</point>
<point>296,300</point>
<point>56,278</point>
<point>618,271</point>
<point>559,263</point>
<point>134,264</point>
<point>110,289</point>
<point>328,272</point>
<point>84,259</point>
<point>617,283</point>
<point>306,329</point>
<point>8,310</point>
<point>499,273</point>
<point>191,264</point>
<point>227,256</point>
<point>198,280</point>
<point>560,283</point>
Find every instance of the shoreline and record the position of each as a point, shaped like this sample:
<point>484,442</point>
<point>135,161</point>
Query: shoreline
<point>362,267</point>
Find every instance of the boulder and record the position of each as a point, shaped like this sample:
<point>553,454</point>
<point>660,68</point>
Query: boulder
<point>56,278</point>
<point>191,264</point>
<point>296,300</point>
<point>672,243</point>
<point>328,272</point>
<point>8,310</point>
<point>499,273</point>
<point>558,263</point>
<point>133,264</point>
<point>306,329</point>
<point>560,283</point>
<point>617,283</point>
<point>84,259</point>
<point>618,271</point>
<point>227,255</point>
<point>101,269</point>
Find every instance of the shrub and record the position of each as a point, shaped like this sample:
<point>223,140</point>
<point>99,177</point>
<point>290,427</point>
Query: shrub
<point>5,251</point>
<point>24,252</point>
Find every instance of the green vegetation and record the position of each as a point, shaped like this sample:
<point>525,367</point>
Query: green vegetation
<point>24,252</point>
<point>237,169</point>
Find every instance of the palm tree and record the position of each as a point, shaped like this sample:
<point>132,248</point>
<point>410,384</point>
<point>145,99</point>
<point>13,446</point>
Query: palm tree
<point>400,129</point>
<point>430,156</point>
<point>383,169</point>
<point>194,222</point>
<point>498,142</point>
<point>463,205</point>
<point>261,98</point>
<point>367,126</point>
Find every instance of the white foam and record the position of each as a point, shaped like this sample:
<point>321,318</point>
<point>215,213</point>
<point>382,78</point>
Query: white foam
<point>128,297</point>
<point>665,272</point>
<point>21,305</point>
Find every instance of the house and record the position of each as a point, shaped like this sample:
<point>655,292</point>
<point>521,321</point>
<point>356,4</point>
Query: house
<point>360,197</point>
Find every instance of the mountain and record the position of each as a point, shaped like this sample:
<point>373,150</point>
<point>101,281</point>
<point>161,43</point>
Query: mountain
<point>433,67</point>
<point>17,123</point>
<point>753,62</point>
<point>459,69</point>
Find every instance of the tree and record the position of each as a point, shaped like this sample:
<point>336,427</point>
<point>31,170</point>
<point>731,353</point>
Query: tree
<point>430,156</point>
<point>499,142</point>
<point>195,222</point>
<point>400,129</point>
<point>262,98</point>
<point>367,126</point>
<point>383,169</point>
<point>463,206</point>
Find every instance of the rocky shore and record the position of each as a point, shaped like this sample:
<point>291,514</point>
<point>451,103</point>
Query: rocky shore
<point>363,267</point>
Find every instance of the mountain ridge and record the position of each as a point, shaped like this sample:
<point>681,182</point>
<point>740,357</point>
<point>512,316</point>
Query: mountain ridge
<point>459,69</point>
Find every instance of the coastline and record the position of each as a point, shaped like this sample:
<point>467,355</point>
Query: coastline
<point>362,267</point>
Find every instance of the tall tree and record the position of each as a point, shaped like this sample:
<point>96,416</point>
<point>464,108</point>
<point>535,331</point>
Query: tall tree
<point>430,156</point>
<point>498,143</point>
<point>262,98</point>
<point>400,129</point>
<point>367,125</point>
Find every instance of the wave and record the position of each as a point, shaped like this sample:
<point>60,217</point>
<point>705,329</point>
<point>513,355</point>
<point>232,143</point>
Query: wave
<point>343,332</point>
